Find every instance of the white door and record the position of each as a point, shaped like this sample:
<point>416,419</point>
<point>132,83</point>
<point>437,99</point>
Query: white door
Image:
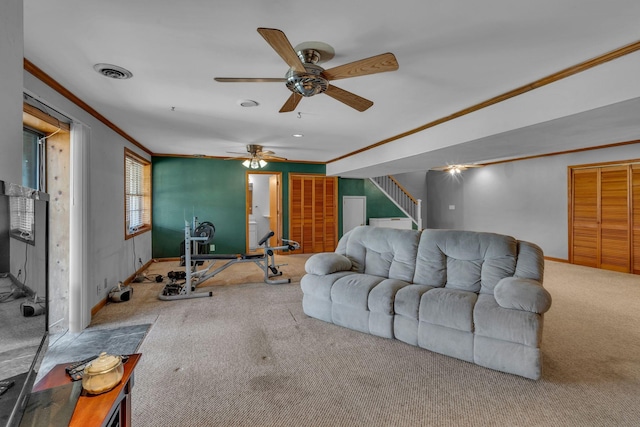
<point>354,212</point>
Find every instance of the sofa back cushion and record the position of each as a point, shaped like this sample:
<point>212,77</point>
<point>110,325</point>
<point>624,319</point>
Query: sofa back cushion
<point>384,252</point>
<point>465,260</point>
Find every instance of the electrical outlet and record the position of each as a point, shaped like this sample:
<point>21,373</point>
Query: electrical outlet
<point>98,290</point>
<point>105,283</point>
<point>212,248</point>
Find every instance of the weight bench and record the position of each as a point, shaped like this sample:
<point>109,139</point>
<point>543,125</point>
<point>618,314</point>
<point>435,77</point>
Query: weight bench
<point>194,277</point>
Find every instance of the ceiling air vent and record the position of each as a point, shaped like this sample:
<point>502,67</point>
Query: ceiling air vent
<point>113,71</point>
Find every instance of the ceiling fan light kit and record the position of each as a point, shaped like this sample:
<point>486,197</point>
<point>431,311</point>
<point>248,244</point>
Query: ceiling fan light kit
<point>305,78</point>
<point>257,157</point>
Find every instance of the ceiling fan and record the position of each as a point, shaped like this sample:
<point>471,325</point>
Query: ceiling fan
<point>455,169</point>
<point>256,157</point>
<point>306,78</point>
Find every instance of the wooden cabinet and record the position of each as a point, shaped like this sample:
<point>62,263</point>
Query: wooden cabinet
<point>604,223</point>
<point>313,212</point>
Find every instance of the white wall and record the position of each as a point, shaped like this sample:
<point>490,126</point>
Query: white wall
<point>110,258</point>
<point>526,199</point>
<point>11,64</point>
<point>261,202</point>
<point>416,184</point>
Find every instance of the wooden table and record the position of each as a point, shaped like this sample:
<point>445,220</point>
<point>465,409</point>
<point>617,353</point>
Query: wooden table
<point>112,408</point>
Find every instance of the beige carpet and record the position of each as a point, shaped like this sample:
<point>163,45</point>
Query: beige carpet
<point>249,356</point>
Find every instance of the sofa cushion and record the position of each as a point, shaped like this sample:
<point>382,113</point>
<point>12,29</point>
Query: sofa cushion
<point>353,290</point>
<point>407,300</point>
<point>522,294</point>
<point>382,252</point>
<point>320,286</point>
<point>530,263</point>
<point>493,321</point>
<point>327,263</point>
<point>465,260</point>
<point>383,295</point>
<point>452,308</point>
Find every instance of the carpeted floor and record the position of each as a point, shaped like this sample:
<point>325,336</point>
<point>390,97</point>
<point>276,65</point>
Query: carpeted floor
<point>249,356</point>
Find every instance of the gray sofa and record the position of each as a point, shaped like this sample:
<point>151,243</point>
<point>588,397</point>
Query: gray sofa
<point>470,295</point>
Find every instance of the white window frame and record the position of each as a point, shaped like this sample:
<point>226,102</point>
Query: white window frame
<point>137,194</point>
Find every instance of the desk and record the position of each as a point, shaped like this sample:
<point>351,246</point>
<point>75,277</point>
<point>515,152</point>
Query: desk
<point>112,408</point>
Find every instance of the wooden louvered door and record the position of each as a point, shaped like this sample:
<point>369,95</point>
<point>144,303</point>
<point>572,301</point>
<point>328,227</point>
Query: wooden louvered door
<point>585,217</point>
<point>313,212</point>
<point>635,218</point>
<point>605,217</point>
<point>614,219</point>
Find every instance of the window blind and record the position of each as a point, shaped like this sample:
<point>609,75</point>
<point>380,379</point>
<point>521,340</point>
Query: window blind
<point>137,206</point>
<point>22,217</point>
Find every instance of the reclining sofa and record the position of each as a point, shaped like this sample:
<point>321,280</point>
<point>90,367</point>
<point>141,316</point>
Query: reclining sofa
<point>470,295</point>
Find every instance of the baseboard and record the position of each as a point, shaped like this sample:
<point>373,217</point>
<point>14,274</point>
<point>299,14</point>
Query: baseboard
<point>548,258</point>
<point>96,308</point>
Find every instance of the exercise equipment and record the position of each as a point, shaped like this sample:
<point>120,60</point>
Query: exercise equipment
<point>183,284</point>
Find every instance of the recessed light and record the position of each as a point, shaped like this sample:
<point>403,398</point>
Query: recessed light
<point>113,71</point>
<point>297,135</point>
<point>248,103</point>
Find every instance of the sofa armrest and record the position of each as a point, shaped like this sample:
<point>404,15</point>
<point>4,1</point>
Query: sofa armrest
<point>522,294</point>
<point>327,263</point>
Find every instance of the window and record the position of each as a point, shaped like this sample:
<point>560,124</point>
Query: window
<point>22,218</point>
<point>137,194</point>
<point>32,159</point>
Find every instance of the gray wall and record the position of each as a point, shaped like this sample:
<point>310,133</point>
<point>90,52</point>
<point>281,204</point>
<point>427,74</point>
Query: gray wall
<point>526,199</point>
<point>11,55</point>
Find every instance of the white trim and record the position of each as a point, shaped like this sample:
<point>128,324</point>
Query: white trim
<point>79,310</point>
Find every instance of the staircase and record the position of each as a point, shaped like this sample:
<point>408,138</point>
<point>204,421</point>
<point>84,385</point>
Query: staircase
<point>400,197</point>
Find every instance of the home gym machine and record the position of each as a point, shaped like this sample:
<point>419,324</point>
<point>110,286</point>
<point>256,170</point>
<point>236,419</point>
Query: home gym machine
<point>203,234</point>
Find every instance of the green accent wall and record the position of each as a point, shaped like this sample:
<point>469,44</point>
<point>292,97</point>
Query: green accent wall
<point>212,190</point>
<point>378,204</point>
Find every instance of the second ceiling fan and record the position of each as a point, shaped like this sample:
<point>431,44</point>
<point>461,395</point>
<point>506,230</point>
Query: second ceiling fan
<point>306,78</point>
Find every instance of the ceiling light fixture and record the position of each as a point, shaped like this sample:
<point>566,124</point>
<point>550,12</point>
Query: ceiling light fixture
<point>113,71</point>
<point>297,135</point>
<point>254,163</point>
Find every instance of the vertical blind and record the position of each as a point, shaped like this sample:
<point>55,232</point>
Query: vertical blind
<point>22,217</point>
<point>137,206</point>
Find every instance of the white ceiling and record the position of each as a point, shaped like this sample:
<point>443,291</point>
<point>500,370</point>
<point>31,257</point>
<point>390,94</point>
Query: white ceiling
<point>451,55</point>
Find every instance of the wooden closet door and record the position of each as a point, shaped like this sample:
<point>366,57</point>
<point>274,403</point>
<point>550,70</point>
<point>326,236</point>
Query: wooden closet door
<point>614,219</point>
<point>585,217</point>
<point>313,212</point>
<point>635,218</point>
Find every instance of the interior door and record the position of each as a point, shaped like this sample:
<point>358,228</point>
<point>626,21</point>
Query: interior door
<point>605,217</point>
<point>635,218</point>
<point>614,219</point>
<point>313,211</point>
<point>354,212</point>
<point>585,217</point>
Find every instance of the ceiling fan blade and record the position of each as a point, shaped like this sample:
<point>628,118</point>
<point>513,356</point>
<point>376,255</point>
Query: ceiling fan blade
<point>363,67</point>
<point>282,46</point>
<point>273,157</point>
<point>250,80</point>
<point>351,99</point>
<point>291,103</point>
<point>238,158</point>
